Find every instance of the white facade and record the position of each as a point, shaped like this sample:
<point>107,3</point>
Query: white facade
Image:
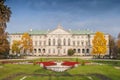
<point>58,41</point>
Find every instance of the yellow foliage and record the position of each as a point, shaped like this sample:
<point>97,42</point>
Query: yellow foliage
<point>16,46</point>
<point>26,42</point>
<point>99,44</point>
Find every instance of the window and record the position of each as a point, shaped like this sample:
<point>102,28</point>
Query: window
<point>64,42</point>
<point>78,43</point>
<point>74,50</point>
<point>83,50</point>
<point>39,43</point>
<point>59,42</point>
<point>78,50</point>
<point>35,50</point>
<point>49,42</point>
<point>87,51</point>
<point>35,43</point>
<point>44,43</point>
<point>82,43</point>
<point>54,42</point>
<point>39,50</point>
<point>64,50</point>
<point>53,50</point>
<point>73,43</point>
<point>49,51</point>
<point>68,42</point>
<point>43,50</point>
<point>86,43</point>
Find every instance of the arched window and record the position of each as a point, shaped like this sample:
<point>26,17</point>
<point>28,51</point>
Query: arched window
<point>35,50</point>
<point>78,50</point>
<point>87,51</point>
<point>64,42</point>
<point>54,42</point>
<point>49,42</point>
<point>83,50</point>
<point>74,50</point>
<point>39,50</point>
<point>43,50</point>
<point>68,42</point>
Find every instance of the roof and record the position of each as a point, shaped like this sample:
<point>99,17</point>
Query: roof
<point>37,32</point>
<point>34,32</point>
<point>81,32</point>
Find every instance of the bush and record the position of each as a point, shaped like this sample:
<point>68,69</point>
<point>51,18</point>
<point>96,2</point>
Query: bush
<point>83,63</point>
<point>71,52</point>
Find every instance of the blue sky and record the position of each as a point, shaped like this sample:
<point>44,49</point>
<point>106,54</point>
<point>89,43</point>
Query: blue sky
<point>95,15</point>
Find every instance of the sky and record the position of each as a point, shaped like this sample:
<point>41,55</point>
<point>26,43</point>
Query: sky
<point>95,15</point>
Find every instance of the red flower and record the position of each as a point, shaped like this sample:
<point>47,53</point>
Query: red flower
<point>67,63</point>
<point>49,63</point>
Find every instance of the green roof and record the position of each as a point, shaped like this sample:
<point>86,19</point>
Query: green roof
<point>37,32</point>
<point>81,32</point>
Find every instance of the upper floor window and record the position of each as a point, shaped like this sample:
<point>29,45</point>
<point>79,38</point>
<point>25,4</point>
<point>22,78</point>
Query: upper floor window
<point>73,43</point>
<point>49,42</point>
<point>68,42</point>
<point>54,42</point>
<point>59,42</point>
<point>35,43</point>
<point>64,42</point>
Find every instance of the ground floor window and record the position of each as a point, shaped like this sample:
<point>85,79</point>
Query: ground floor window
<point>87,51</point>
<point>74,50</point>
<point>78,50</point>
<point>83,50</point>
<point>35,50</point>
<point>43,50</point>
<point>39,50</point>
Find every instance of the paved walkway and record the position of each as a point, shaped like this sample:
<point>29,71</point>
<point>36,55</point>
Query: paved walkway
<point>80,57</point>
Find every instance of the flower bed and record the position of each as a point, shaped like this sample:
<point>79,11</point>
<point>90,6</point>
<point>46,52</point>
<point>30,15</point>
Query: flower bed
<point>44,64</point>
<point>72,64</point>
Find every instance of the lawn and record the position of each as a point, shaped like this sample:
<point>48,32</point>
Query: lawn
<point>87,72</point>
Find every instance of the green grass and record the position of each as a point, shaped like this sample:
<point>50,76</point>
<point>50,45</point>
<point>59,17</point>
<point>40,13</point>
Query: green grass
<point>107,69</point>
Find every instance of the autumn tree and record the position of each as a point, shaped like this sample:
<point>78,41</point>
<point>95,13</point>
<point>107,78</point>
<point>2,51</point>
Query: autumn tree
<point>4,18</point>
<point>26,43</point>
<point>118,44</point>
<point>16,46</point>
<point>4,44</point>
<point>5,13</point>
<point>112,47</point>
<point>99,44</point>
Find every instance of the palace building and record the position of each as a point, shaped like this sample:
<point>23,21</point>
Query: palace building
<point>57,42</point>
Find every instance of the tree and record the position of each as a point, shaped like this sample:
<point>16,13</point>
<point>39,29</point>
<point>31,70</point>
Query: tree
<point>71,52</point>
<point>118,45</point>
<point>99,44</point>
<point>112,46</point>
<point>26,42</point>
<point>4,44</point>
<point>16,46</point>
<point>5,13</point>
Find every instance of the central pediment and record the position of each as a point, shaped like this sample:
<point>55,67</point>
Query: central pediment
<point>59,30</point>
